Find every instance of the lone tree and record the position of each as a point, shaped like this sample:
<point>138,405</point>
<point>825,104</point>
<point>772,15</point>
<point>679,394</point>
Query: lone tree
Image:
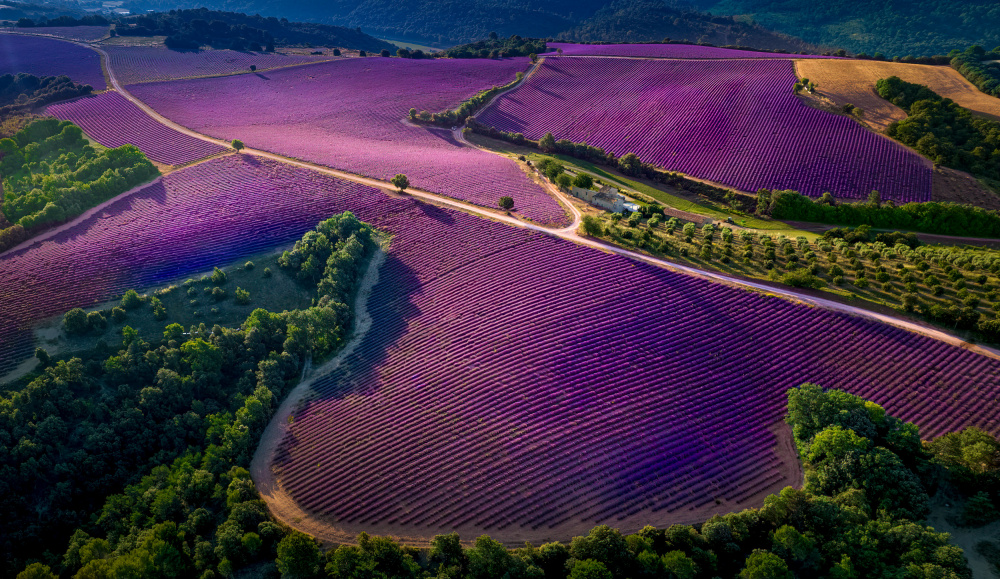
<point>253,68</point>
<point>384,53</point>
<point>583,181</point>
<point>238,145</point>
<point>336,52</point>
<point>533,57</point>
<point>506,203</point>
<point>401,182</point>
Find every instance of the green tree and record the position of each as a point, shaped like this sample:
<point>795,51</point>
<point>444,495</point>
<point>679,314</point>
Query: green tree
<point>564,181</point>
<point>765,565</point>
<point>547,144</point>
<point>506,203</point>
<point>583,181</point>
<point>591,225</point>
<point>219,277</point>
<point>131,300</point>
<point>401,182</point>
<point>630,164</point>
<point>298,556</point>
<point>238,145</point>
<point>589,569</point>
<point>75,321</point>
<point>533,57</point>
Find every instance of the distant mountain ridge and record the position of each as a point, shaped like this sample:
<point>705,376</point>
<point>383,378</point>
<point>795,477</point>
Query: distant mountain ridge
<point>447,22</point>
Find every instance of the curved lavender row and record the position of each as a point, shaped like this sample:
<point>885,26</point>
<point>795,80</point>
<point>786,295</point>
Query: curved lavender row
<point>349,115</point>
<point>82,33</point>
<point>134,64</point>
<point>189,221</point>
<point>666,51</point>
<point>734,122</point>
<point>50,57</point>
<point>528,382</point>
<point>113,121</point>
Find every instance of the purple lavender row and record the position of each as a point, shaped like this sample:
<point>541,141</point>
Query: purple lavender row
<point>734,122</point>
<point>50,57</point>
<point>615,388</point>
<point>350,115</point>
<point>134,64</point>
<point>666,51</point>
<point>113,121</point>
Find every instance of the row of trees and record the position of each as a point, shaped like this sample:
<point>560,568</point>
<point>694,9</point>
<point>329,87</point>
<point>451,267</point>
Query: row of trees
<point>468,107</point>
<point>174,420</point>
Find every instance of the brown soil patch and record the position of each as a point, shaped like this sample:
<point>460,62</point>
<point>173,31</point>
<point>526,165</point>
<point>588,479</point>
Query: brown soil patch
<point>959,187</point>
<point>853,81</point>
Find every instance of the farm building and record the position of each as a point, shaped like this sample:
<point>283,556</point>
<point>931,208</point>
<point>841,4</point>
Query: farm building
<point>607,198</point>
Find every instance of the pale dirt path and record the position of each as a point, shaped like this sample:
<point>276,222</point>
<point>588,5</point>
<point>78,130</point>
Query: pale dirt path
<point>279,502</point>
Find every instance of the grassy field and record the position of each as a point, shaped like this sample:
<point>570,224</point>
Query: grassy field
<point>853,81</point>
<point>897,277</point>
<point>191,302</point>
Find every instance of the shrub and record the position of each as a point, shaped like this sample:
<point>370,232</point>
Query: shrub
<point>267,272</point>
<point>838,280</point>
<point>118,314</point>
<point>219,277</point>
<point>75,321</point>
<point>506,203</point>
<point>861,282</point>
<point>937,290</point>
<point>218,294</point>
<point>801,277</point>
<point>96,322</point>
<point>131,300</point>
<point>242,296</point>
<point>248,266</point>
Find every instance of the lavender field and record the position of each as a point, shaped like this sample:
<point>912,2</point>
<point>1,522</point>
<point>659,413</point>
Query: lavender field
<point>50,57</point>
<point>350,115</point>
<point>113,121</point>
<point>625,393</point>
<point>82,33</point>
<point>665,51</point>
<point>134,64</point>
<point>735,122</point>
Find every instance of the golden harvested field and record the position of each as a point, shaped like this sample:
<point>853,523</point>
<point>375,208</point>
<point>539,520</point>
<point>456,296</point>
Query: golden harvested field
<point>853,81</point>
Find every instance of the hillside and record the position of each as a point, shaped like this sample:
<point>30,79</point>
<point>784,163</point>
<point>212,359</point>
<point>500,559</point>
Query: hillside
<point>917,27</point>
<point>450,22</point>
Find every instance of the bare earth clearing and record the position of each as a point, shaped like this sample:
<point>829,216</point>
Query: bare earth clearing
<point>853,81</point>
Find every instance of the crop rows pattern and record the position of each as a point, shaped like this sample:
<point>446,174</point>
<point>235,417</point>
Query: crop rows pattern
<point>82,33</point>
<point>50,57</point>
<point>113,121</point>
<point>666,51</point>
<point>516,380</point>
<point>735,122</point>
<point>186,223</point>
<point>135,64</point>
<point>350,115</point>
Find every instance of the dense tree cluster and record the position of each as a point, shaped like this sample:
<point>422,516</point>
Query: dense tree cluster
<point>194,28</point>
<point>915,27</point>
<point>22,93</point>
<point>496,47</point>
<point>930,217</point>
<point>177,419</point>
<point>88,20</point>
<point>942,131</point>
<point>51,174</point>
<point>981,68</point>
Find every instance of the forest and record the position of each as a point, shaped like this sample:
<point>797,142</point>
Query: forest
<point>193,28</point>
<point>980,67</point>
<point>22,93</point>
<point>942,131</point>
<point>915,27</point>
<point>169,423</point>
